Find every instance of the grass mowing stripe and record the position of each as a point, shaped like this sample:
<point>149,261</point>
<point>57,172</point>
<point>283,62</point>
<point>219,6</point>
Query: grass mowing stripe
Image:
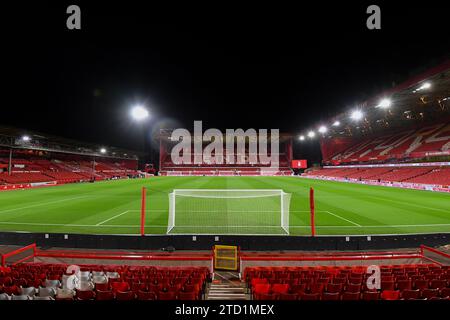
<point>41,204</point>
<point>377,210</point>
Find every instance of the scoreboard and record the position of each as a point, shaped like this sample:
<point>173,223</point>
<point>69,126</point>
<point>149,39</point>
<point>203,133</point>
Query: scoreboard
<point>299,164</point>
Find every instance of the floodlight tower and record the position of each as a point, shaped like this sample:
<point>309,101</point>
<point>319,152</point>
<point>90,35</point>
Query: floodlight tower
<point>140,115</point>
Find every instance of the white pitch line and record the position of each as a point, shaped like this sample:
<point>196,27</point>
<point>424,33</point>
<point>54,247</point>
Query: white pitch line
<point>215,211</point>
<point>79,225</point>
<point>114,217</point>
<point>384,226</point>
<point>41,204</point>
<point>165,226</point>
<point>411,204</point>
<point>338,216</point>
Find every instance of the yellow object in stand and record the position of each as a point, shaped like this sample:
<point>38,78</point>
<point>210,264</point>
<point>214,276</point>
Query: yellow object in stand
<point>226,257</point>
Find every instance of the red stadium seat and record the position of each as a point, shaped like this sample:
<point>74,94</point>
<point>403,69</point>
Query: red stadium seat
<point>104,295</point>
<point>353,287</point>
<point>430,293</point>
<point>118,286</point>
<point>438,284</point>
<point>329,296</point>
<point>310,296</point>
<point>404,285</point>
<point>390,295</point>
<point>388,285</point>
<point>280,288</point>
<point>370,295</point>
<point>410,294</point>
<point>288,296</point>
<point>170,295</point>
<point>351,296</point>
<point>125,295</point>
<point>267,296</point>
<point>187,295</point>
<point>333,288</point>
<point>421,284</point>
<point>445,292</point>
<point>85,295</point>
<point>146,295</point>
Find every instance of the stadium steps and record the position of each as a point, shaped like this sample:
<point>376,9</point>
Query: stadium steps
<point>418,175</point>
<point>226,286</point>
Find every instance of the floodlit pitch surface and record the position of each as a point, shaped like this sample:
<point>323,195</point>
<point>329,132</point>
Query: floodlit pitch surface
<point>113,207</point>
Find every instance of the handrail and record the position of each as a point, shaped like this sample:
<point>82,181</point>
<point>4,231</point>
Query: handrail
<point>422,247</point>
<point>17,251</point>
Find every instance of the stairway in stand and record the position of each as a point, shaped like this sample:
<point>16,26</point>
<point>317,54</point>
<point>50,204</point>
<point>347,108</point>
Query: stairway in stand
<point>226,286</point>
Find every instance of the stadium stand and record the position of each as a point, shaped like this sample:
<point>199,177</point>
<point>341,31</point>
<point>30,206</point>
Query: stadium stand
<point>229,166</point>
<point>428,175</point>
<point>432,140</point>
<point>61,169</point>
<point>408,281</point>
<point>41,281</point>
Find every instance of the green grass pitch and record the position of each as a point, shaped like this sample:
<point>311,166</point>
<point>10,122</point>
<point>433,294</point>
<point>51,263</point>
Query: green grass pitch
<point>113,207</point>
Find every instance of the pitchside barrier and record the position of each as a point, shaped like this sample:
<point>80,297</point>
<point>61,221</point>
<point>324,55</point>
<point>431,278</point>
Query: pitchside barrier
<point>236,259</point>
<point>31,253</point>
<point>296,259</point>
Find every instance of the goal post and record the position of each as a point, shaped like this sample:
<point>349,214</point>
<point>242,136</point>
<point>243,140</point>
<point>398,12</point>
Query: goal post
<point>229,211</point>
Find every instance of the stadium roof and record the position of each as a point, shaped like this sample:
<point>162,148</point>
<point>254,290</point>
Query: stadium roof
<point>24,139</point>
<point>424,98</point>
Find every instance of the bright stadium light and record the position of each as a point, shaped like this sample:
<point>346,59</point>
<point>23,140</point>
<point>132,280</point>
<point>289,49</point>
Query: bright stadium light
<point>322,129</point>
<point>356,115</point>
<point>26,138</point>
<point>426,85</point>
<point>385,103</point>
<point>102,150</point>
<point>301,138</point>
<point>311,134</point>
<point>336,124</point>
<point>139,113</point>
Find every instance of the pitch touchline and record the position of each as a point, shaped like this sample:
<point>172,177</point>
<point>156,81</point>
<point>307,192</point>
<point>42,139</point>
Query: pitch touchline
<point>164,225</point>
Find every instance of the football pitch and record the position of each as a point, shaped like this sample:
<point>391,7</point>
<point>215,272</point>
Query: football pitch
<point>113,207</point>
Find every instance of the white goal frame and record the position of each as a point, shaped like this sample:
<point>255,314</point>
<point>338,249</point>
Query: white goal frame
<point>284,208</point>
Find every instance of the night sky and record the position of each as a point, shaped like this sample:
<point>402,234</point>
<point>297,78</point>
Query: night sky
<point>274,65</point>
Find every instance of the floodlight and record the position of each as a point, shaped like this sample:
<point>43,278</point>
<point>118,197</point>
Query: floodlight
<point>139,113</point>
<point>322,129</point>
<point>336,124</point>
<point>301,138</point>
<point>426,85</point>
<point>102,150</point>
<point>356,115</point>
<point>311,134</point>
<point>26,138</point>
<point>385,103</point>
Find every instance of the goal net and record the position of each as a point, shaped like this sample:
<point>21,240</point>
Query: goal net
<point>228,211</point>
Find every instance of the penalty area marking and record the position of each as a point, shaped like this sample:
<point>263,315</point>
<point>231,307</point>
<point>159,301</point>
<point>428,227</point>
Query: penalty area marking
<point>113,217</point>
<point>342,218</point>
